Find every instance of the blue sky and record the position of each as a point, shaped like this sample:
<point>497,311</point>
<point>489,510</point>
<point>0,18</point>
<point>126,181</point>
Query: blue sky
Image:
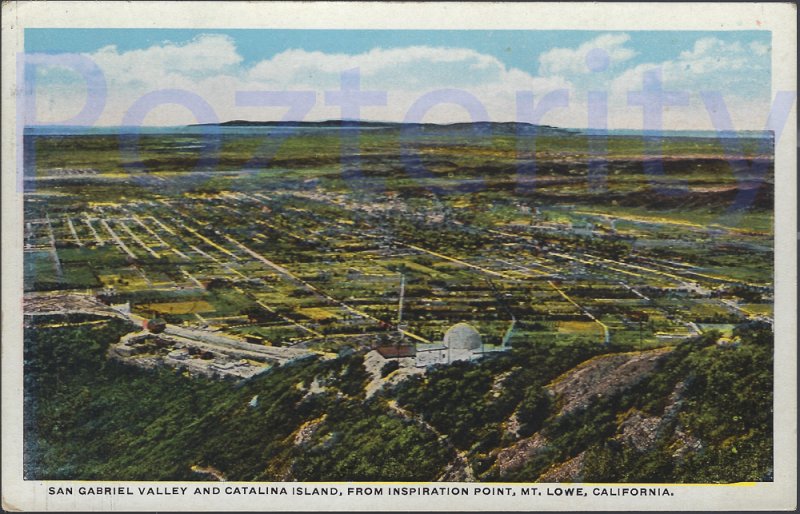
<point>492,65</point>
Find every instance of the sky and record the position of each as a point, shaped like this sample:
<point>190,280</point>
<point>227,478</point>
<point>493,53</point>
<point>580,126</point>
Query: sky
<point>575,78</point>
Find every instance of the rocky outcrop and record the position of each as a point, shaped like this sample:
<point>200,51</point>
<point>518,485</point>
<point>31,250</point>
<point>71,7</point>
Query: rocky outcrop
<point>603,376</point>
<point>516,455</point>
<point>569,471</point>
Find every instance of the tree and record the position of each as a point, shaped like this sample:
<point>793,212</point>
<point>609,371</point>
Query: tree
<point>389,367</point>
<point>156,325</point>
<point>533,410</point>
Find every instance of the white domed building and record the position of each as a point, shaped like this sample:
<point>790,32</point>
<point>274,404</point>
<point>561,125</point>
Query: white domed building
<point>462,336</point>
<point>461,342</point>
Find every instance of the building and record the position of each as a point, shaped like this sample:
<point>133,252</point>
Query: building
<point>462,336</point>
<point>461,342</point>
<point>396,351</point>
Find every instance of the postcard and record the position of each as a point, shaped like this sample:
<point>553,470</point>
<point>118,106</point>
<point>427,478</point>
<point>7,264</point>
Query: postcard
<point>399,256</point>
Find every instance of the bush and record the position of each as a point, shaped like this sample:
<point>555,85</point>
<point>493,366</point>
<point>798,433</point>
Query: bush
<point>389,367</point>
<point>533,410</point>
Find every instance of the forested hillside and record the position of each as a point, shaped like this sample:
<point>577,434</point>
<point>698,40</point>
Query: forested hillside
<point>698,412</point>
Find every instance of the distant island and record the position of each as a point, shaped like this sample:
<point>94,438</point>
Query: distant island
<point>489,127</point>
<point>480,126</point>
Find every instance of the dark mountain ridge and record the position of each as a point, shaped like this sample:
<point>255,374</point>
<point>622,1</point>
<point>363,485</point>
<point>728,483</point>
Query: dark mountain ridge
<point>481,126</point>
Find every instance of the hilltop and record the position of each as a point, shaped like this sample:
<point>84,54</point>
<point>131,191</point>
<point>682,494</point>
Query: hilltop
<point>482,127</point>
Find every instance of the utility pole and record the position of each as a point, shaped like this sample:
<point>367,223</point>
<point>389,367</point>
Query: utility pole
<point>402,295</point>
<point>400,312</point>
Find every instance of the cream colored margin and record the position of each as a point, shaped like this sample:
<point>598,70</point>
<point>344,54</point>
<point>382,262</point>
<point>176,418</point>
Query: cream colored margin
<point>780,18</point>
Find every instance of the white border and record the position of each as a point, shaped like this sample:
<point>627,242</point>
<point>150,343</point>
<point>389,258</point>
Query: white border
<point>780,18</point>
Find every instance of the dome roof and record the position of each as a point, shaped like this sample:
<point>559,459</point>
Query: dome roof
<point>462,336</point>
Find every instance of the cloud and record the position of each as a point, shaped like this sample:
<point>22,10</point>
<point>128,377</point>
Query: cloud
<point>415,68</point>
<point>406,74</point>
<point>731,68</point>
<point>200,57</point>
<point>568,61</point>
<point>384,66</point>
<point>711,54</point>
